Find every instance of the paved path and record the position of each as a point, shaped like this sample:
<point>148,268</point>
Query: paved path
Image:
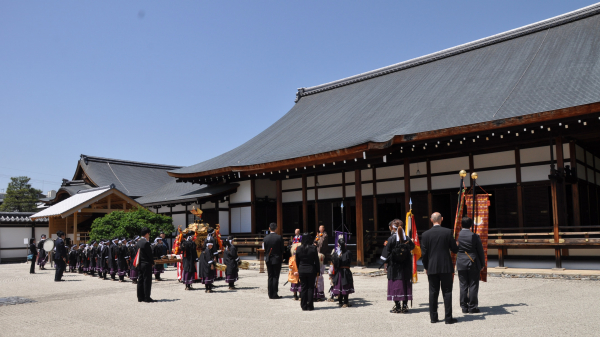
<point>85,306</point>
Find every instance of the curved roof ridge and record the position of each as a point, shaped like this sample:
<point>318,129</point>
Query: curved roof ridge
<point>497,38</point>
<point>128,163</point>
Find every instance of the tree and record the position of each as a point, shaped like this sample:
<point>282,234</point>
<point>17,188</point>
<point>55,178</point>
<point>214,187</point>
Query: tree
<point>129,224</point>
<point>20,196</point>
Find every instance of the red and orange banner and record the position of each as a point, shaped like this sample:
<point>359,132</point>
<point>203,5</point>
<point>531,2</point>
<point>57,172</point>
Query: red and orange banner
<point>411,228</point>
<point>480,223</point>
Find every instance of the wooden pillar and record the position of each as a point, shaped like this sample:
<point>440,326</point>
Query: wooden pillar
<point>110,202</point>
<point>429,196</point>
<point>252,206</point>
<point>279,207</point>
<point>520,217</point>
<point>75,241</point>
<point>406,184</point>
<point>360,253</point>
<point>375,216</point>
<point>304,206</point>
<point>316,204</point>
<point>500,257</point>
<point>575,186</point>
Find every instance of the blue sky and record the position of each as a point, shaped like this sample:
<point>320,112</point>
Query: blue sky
<point>181,82</point>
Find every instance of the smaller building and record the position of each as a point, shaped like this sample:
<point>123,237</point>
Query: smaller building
<point>15,228</point>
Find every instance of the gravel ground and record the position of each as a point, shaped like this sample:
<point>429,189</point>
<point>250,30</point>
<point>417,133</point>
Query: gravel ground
<point>85,306</point>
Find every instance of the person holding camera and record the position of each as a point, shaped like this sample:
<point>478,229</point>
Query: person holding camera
<point>469,262</point>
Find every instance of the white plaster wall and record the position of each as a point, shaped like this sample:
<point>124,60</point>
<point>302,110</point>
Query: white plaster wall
<point>290,197</point>
<point>531,252</point>
<point>246,219</point>
<point>266,187</point>
<point>179,221</point>
<point>178,208</point>
<point>243,193</point>
<point>289,184</point>
<point>420,166</point>
<point>535,173</point>
<point>310,195</point>
<point>11,237</point>
<point>589,158</point>
<point>536,154</point>
<point>224,222</point>
<point>580,171</point>
<point>494,177</point>
<point>590,175</point>
<point>330,192</point>
<point>39,231</point>
<point>208,205</point>
<point>419,184</point>
<point>310,181</point>
<point>350,191</point>
<point>388,172</point>
<point>584,252</point>
<point>566,151</point>
<point>366,175</point>
<point>579,152</point>
<point>389,187</point>
<point>450,164</point>
<point>443,182</point>
<point>367,189</point>
<point>330,179</point>
<point>349,177</point>
<point>224,204</point>
<point>492,159</point>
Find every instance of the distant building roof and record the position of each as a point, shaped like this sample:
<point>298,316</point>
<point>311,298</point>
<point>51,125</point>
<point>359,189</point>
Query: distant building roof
<point>173,192</point>
<point>20,217</point>
<point>135,179</point>
<point>546,66</point>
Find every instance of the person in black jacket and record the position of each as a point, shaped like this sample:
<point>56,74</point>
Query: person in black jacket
<point>231,260</point>
<point>343,282</point>
<point>189,256</point>
<point>159,250</point>
<point>133,272</point>
<point>436,244</point>
<point>34,252</point>
<point>307,260</point>
<point>60,256</point>
<point>73,257</point>
<point>469,262</point>
<point>399,272</point>
<point>122,257</point>
<point>145,263</point>
<point>208,268</point>
<point>273,245</point>
<point>42,254</point>
<point>113,255</point>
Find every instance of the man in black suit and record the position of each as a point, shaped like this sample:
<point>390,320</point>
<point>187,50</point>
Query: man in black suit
<point>144,267</point>
<point>60,256</point>
<point>273,244</point>
<point>436,244</point>
<point>469,262</point>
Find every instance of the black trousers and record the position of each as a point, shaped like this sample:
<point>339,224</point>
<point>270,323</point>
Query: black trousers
<point>435,281</point>
<point>32,268</point>
<point>144,284</point>
<point>469,288</point>
<point>273,272</point>
<point>307,282</point>
<point>60,269</point>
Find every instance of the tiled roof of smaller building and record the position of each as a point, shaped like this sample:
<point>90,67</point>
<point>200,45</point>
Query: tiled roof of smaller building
<point>19,217</point>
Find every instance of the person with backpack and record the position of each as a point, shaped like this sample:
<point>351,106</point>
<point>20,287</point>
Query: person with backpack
<point>396,255</point>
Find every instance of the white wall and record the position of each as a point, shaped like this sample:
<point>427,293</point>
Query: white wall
<point>179,221</point>
<point>535,173</point>
<point>389,172</point>
<point>329,179</point>
<point>495,177</point>
<point>224,222</point>
<point>390,187</point>
<point>290,197</point>
<point>243,193</point>
<point>492,159</point>
<point>419,184</point>
<point>12,237</point>
<point>289,184</point>
<point>420,166</point>
<point>241,220</point>
<point>449,165</point>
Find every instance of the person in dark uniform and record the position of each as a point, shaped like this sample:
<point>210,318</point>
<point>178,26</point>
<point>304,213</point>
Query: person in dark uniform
<point>469,262</point>
<point>307,260</point>
<point>231,260</point>
<point>60,256</point>
<point>273,245</point>
<point>92,258</point>
<point>113,254</point>
<point>133,272</point>
<point>73,258</point>
<point>159,250</point>
<point>399,267</point>
<point>42,254</point>
<point>436,244</point>
<point>34,252</point>
<point>122,256</point>
<point>343,282</point>
<point>189,256</point>
<point>208,268</point>
<point>145,263</point>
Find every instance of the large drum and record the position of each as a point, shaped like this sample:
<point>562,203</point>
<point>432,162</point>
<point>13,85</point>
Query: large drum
<point>48,245</point>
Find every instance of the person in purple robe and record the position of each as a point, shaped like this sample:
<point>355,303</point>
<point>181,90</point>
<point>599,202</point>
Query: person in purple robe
<point>231,260</point>
<point>189,256</point>
<point>398,262</point>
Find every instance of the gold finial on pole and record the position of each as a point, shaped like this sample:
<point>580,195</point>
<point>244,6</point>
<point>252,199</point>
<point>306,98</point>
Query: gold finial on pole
<point>462,173</point>
<point>474,175</point>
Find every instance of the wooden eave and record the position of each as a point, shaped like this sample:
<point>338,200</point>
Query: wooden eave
<point>357,151</point>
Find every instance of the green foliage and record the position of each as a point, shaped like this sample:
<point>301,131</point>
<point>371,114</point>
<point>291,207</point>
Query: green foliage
<point>20,196</point>
<point>129,224</point>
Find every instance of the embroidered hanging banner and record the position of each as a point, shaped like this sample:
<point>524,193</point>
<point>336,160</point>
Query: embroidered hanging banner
<point>480,223</point>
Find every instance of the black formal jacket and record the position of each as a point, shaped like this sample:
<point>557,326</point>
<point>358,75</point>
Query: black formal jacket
<point>206,260</point>
<point>273,244</point>
<point>145,252</point>
<point>231,259</point>
<point>112,256</point>
<point>61,251</point>
<point>307,260</point>
<point>469,243</point>
<point>436,245</point>
<point>189,256</point>
<point>33,250</point>
<point>397,271</point>
<point>341,266</point>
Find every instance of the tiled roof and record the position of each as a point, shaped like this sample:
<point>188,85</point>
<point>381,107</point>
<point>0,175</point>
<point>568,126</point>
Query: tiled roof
<point>550,65</point>
<point>173,192</point>
<point>19,217</point>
